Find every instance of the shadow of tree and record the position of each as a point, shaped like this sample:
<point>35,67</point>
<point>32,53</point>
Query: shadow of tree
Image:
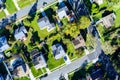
<point>32,12</point>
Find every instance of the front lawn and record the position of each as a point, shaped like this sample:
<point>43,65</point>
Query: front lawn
<point>22,78</point>
<point>117,20</point>
<point>2,14</point>
<point>10,6</point>
<point>35,72</point>
<point>24,3</point>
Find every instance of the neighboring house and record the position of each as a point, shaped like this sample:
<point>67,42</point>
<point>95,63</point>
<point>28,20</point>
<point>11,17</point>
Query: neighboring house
<point>45,23</point>
<point>108,20</point>
<point>58,51</point>
<point>20,33</point>
<point>1,57</point>
<point>65,12</point>
<point>18,67</point>
<point>62,12</point>
<point>3,44</point>
<point>38,60</point>
<point>96,75</point>
<point>78,42</point>
<point>97,1</point>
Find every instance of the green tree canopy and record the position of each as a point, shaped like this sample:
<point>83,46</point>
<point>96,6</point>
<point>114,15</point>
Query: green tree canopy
<point>95,8</point>
<point>84,22</point>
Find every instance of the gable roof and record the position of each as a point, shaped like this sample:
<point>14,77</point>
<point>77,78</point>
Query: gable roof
<point>19,33</point>
<point>78,42</point>
<point>62,12</point>
<point>58,51</point>
<point>39,61</point>
<point>3,44</point>
<point>45,23</point>
<point>108,20</point>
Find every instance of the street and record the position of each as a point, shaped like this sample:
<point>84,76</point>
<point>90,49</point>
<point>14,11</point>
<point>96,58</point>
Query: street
<point>24,12</point>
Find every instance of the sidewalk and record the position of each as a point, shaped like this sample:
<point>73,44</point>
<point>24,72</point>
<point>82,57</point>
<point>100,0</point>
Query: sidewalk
<point>17,6</point>
<point>6,12</point>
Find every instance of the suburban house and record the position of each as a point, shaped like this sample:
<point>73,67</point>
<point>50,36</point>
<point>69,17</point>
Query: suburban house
<point>97,1</point>
<point>65,12</point>
<point>58,51</point>
<point>3,44</point>
<point>38,59</point>
<point>20,33</point>
<point>108,20</point>
<point>78,42</point>
<point>45,23</point>
<point>96,75</point>
<point>1,57</point>
<point>18,67</point>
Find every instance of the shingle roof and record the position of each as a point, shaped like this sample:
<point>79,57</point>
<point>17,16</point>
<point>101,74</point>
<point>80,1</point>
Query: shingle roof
<point>20,33</point>
<point>78,42</point>
<point>62,12</point>
<point>43,22</point>
<point>3,44</point>
<point>57,51</point>
<point>108,20</point>
<point>39,61</point>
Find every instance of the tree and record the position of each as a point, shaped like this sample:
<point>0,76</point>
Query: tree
<point>113,1</point>
<point>95,8</point>
<point>72,30</point>
<point>84,22</point>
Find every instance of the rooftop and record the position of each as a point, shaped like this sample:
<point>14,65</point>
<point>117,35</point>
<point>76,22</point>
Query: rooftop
<point>78,42</point>
<point>108,20</point>
<point>62,12</point>
<point>58,51</point>
<point>3,44</point>
<point>45,23</point>
<point>39,61</point>
<point>20,33</point>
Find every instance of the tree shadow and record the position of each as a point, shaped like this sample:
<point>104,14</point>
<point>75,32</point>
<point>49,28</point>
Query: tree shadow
<point>84,33</point>
<point>49,13</point>
<point>32,12</point>
<point>35,37</point>
<point>106,12</point>
<point>103,8</point>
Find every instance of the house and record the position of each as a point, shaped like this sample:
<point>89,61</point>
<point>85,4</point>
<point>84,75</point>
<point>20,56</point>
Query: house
<point>97,1</point>
<point>45,23</point>
<point>78,42</point>
<point>3,44</point>
<point>108,20</point>
<point>38,59</point>
<point>65,12</point>
<point>62,12</point>
<point>1,57</point>
<point>20,33</point>
<point>57,51</point>
<point>18,67</point>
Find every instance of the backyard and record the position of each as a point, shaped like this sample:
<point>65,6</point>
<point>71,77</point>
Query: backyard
<point>2,14</point>
<point>24,3</point>
<point>10,6</point>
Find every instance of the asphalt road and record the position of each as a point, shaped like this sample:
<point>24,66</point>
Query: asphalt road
<point>68,68</point>
<point>24,12</point>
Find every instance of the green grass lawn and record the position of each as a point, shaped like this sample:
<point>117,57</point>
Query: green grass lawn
<point>35,72</point>
<point>23,3</point>
<point>2,14</point>
<point>10,6</point>
<point>117,20</point>
<point>22,78</point>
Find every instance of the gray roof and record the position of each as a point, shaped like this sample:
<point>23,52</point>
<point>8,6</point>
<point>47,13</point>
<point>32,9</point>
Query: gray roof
<point>43,22</point>
<point>58,51</point>
<point>20,33</point>
<point>3,44</point>
<point>108,20</point>
<point>38,60</point>
<point>62,12</point>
